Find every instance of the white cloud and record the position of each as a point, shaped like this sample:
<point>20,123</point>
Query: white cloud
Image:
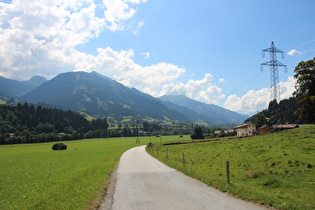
<point>254,101</point>
<point>40,38</point>
<point>287,88</point>
<point>150,78</point>
<point>251,102</point>
<point>146,55</point>
<point>117,11</point>
<point>137,30</point>
<point>221,80</point>
<point>293,52</point>
<point>201,90</point>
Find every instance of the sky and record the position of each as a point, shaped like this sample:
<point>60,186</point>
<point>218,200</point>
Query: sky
<point>208,50</point>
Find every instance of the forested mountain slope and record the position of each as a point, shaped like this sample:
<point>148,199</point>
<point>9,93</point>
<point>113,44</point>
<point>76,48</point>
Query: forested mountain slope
<point>100,96</point>
<point>28,124</point>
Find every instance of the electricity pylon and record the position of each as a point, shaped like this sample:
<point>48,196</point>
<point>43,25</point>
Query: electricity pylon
<point>274,79</point>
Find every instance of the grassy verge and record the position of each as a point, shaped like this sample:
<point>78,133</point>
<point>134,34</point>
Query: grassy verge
<point>32,176</point>
<point>275,170</point>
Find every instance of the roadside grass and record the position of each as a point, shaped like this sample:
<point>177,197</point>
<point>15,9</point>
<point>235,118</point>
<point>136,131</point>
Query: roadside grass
<point>33,176</point>
<point>275,170</point>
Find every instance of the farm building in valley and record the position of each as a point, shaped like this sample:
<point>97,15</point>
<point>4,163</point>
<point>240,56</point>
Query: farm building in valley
<point>263,130</point>
<point>285,126</point>
<point>59,146</point>
<point>245,130</point>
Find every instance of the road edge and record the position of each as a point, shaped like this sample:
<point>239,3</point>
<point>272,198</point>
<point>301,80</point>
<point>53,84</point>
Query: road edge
<point>108,197</point>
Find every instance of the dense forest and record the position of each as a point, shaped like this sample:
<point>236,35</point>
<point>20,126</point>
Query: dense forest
<point>29,123</point>
<point>26,123</point>
<point>286,113</point>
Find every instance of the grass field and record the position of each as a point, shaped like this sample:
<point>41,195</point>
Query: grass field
<point>33,176</point>
<point>275,170</point>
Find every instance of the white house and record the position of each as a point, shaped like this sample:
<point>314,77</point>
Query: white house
<point>245,130</point>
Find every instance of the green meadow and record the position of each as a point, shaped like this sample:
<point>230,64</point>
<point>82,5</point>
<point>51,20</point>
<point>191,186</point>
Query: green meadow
<point>275,170</point>
<point>33,176</point>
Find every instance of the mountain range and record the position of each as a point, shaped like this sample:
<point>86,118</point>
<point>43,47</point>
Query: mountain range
<point>16,89</point>
<point>101,96</point>
<point>206,112</point>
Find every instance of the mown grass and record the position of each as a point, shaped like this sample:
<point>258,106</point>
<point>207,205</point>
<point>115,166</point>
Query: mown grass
<point>33,176</point>
<point>275,170</point>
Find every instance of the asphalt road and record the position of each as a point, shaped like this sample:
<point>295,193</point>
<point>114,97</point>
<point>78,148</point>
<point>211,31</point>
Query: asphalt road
<point>142,182</point>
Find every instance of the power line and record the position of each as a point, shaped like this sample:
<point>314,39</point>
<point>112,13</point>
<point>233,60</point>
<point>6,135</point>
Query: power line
<point>243,83</point>
<point>241,74</point>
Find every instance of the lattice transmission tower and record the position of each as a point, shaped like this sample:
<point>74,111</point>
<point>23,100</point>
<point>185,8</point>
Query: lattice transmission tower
<point>274,79</point>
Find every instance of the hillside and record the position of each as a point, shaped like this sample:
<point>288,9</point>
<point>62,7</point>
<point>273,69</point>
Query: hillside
<point>275,170</point>
<point>205,112</point>
<point>16,89</point>
<point>100,96</point>
<point>287,109</point>
<point>30,124</point>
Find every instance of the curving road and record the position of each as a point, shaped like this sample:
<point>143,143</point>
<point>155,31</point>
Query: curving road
<point>142,182</point>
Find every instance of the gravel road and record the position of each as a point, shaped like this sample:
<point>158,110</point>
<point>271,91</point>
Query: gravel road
<point>142,182</point>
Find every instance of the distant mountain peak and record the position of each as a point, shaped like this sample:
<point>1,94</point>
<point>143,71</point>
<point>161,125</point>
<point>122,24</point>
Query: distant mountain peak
<point>38,78</point>
<point>99,96</point>
<point>15,89</point>
<point>211,112</point>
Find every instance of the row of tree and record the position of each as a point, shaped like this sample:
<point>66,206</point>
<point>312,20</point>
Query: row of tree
<point>286,109</point>
<point>26,123</point>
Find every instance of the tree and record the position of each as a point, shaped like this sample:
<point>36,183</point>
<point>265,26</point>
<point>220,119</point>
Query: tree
<point>197,134</point>
<point>258,119</point>
<point>305,90</point>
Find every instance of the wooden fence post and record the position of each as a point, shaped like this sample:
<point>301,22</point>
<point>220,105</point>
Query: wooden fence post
<point>228,171</point>
<point>184,159</point>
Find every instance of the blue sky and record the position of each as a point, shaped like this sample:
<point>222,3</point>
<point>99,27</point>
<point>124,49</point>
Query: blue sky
<point>207,50</point>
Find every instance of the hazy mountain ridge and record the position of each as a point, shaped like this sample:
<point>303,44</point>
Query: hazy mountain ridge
<point>16,89</point>
<point>101,96</point>
<point>206,112</point>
